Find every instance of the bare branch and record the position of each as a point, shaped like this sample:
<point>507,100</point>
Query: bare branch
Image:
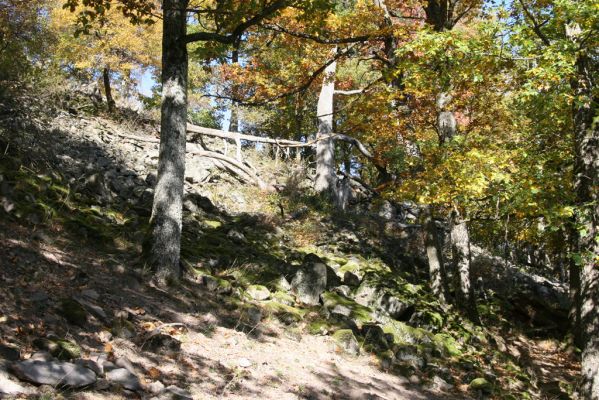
<point>321,40</point>
<point>535,25</point>
<point>239,29</point>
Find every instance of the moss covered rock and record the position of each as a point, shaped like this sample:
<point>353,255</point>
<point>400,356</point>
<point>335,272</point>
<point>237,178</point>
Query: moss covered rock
<point>337,304</point>
<point>447,345</point>
<point>73,312</point>
<point>346,341</point>
<point>482,385</point>
<point>218,285</point>
<point>258,292</point>
<point>284,313</point>
<point>283,298</point>
<point>66,350</point>
<point>404,333</point>
<point>214,224</point>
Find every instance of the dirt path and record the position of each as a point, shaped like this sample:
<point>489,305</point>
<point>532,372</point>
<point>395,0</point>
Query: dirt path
<point>217,358</point>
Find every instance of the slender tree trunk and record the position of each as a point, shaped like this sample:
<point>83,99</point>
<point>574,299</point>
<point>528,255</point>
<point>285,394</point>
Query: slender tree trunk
<point>574,294</point>
<point>347,159</point>
<point>586,186</point>
<point>460,244</point>
<point>165,223</point>
<point>434,254</point>
<point>446,122</point>
<point>234,120</point>
<point>326,178</point>
<point>107,89</point>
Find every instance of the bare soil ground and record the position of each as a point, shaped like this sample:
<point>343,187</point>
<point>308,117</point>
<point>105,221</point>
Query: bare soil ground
<point>220,357</point>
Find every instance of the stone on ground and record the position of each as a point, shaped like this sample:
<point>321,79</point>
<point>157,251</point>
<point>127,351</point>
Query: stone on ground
<point>258,292</point>
<point>345,339</point>
<point>54,373</point>
<point>124,378</point>
<point>310,281</point>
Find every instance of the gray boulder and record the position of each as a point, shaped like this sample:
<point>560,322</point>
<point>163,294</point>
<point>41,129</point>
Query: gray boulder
<point>310,281</point>
<point>54,373</point>
<point>124,378</point>
<point>258,292</point>
<point>374,295</point>
<point>173,393</point>
<point>351,279</point>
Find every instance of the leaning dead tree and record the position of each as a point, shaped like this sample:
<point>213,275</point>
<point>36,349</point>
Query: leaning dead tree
<point>242,169</point>
<point>198,131</point>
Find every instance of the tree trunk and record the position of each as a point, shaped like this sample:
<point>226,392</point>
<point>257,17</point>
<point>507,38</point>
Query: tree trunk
<point>446,122</point>
<point>326,178</point>
<point>574,317</point>
<point>165,223</point>
<point>460,245</point>
<point>234,119</point>
<point>434,254</point>
<point>107,89</point>
<point>586,186</point>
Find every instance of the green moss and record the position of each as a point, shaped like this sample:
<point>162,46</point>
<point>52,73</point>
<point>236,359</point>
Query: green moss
<point>346,340</point>
<point>447,345</point>
<point>481,384</point>
<point>283,312</point>
<point>66,350</point>
<point>73,312</point>
<point>339,304</point>
<point>283,298</point>
<point>211,223</point>
<point>403,333</point>
<point>336,259</point>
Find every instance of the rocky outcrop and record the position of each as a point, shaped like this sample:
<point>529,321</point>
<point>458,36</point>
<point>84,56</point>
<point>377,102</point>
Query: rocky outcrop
<point>543,301</point>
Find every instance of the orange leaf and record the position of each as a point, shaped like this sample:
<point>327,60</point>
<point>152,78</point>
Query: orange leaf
<point>108,348</point>
<point>154,373</point>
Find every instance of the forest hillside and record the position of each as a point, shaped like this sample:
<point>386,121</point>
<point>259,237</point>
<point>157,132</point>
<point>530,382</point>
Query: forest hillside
<point>299,199</point>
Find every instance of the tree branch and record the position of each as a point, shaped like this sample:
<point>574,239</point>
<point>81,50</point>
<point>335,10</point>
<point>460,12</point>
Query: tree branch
<point>318,39</point>
<point>239,29</point>
<point>535,26</point>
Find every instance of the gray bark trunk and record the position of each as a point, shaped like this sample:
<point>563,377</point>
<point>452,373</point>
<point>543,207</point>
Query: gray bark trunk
<point>446,122</point>
<point>435,258</point>
<point>234,120</point>
<point>586,186</point>
<point>107,89</point>
<point>460,245</point>
<point>165,223</point>
<point>326,178</point>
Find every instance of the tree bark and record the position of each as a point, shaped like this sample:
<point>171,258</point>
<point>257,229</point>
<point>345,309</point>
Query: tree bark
<point>446,122</point>
<point>460,245</point>
<point>326,178</point>
<point>107,89</point>
<point>165,223</point>
<point>586,186</point>
<point>234,119</point>
<point>434,253</point>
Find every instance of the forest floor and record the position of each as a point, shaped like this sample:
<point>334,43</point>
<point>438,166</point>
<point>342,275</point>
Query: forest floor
<point>64,235</point>
<point>219,358</point>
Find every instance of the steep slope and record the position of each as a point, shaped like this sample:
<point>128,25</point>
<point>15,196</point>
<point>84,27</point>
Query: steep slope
<point>282,297</point>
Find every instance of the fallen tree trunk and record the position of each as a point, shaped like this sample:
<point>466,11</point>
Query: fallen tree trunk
<point>279,142</point>
<point>240,136</point>
<point>196,150</point>
<point>236,135</point>
<point>192,148</point>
